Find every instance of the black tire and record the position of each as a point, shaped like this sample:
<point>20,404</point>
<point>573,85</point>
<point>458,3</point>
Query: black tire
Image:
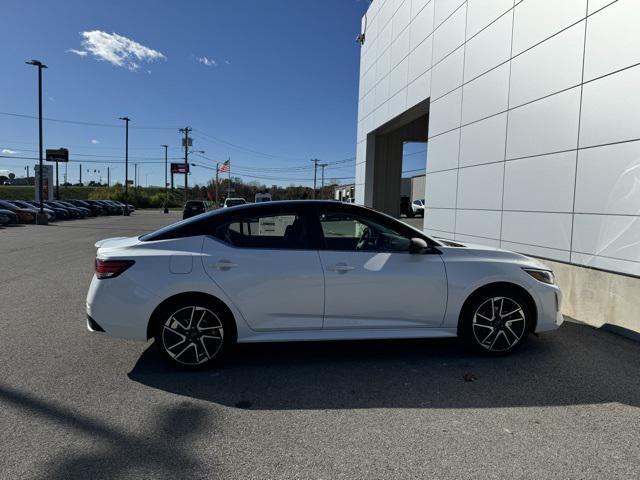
<point>193,332</point>
<point>496,322</point>
<point>410,213</point>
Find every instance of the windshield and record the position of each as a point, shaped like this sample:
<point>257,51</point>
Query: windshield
<point>235,201</point>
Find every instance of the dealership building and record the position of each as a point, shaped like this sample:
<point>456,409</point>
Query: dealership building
<point>531,112</point>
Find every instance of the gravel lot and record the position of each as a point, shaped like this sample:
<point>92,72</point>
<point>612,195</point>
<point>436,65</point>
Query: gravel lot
<point>78,405</point>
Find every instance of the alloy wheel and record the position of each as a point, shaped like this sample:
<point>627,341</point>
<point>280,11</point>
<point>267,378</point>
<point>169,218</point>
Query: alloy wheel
<point>499,324</point>
<point>192,335</point>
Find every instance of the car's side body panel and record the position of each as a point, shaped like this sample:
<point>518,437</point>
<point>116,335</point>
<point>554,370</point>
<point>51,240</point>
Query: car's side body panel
<point>274,289</point>
<point>383,289</point>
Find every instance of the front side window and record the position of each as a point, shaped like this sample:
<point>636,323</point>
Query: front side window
<point>353,232</point>
<point>282,231</point>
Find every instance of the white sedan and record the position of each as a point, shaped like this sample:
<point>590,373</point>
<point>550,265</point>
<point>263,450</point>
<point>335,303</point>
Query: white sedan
<point>311,270</point>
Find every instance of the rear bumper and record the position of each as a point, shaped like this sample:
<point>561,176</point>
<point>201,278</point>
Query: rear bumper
<point>120,308</point>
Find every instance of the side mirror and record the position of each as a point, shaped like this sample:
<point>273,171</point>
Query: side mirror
<point>417,245</point>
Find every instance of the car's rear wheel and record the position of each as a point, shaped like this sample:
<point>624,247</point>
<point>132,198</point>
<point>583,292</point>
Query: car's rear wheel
<point>193,333</point>
<point>496,323</point>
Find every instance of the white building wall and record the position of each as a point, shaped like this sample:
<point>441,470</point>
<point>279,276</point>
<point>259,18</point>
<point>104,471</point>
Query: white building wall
<point>534,131</point>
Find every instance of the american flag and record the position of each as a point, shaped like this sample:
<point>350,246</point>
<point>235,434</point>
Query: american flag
<point>225,167</point>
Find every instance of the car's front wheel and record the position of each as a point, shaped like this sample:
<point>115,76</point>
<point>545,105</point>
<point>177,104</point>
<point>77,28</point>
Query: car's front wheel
<point>193,333</point>
<point>496,323</point>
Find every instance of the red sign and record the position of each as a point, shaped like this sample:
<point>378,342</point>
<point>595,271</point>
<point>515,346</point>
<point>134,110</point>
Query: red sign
<point>179,168</point>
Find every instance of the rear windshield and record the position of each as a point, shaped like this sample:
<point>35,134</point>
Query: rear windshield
<point>199,225</point>
<point>231,203</point>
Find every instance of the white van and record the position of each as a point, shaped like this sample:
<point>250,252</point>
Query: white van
<point>262,197</point>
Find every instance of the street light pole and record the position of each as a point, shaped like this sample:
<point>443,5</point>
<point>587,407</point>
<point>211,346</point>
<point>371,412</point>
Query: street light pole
<point>41,217</point>
<point>166,192</point>
<point>126,164</point>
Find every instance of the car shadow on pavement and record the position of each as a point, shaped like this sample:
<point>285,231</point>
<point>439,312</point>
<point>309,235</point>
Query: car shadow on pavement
<point>574,365</point>
<point>164,447</point>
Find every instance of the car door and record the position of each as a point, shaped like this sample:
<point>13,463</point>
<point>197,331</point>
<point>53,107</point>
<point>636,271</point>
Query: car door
<point>371,279</point>
<point>262,259</point>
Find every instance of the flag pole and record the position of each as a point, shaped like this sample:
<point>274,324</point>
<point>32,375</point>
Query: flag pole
<point>217,169</point>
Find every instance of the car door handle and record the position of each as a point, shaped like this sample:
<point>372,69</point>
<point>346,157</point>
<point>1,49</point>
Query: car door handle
<point>340,268</point>
<point>224,265</point>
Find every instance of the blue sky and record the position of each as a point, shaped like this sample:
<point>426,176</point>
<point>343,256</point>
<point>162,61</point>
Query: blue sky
<point>270,84</point>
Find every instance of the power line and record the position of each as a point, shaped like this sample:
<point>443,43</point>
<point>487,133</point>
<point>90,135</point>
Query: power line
<point>83,160</point>
<point>211,138</point>
<point>297,179</point>
<point>88,124</point>
<point>106,156</point>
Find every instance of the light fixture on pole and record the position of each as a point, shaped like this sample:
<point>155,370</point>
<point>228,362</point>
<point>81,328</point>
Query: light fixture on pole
<point>166,193</point>
<point>41,217</point>
<point>126,164</point>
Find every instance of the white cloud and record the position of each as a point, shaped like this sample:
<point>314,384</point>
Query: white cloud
<point>227,62</point>
<point>116,49</point>
<point>80,53</point>
<point>95,142</point>
<point>7,151</point>
<point>209,62</point>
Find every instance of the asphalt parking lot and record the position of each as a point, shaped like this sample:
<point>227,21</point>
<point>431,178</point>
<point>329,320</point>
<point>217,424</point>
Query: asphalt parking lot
<point>79,405</point>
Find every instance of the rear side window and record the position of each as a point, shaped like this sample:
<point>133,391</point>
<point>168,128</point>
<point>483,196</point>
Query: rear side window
<point>280,231</point>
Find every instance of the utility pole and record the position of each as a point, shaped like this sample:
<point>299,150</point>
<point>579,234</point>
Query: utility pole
<point>166,192</point>
<point>27,168</point>
<point>186,144</point>
<point>315,171</point>
<point>80,173</point>
<point>322,165</point>
<point>41,217</point>
<point>126,163</point>
<point>135,175</point>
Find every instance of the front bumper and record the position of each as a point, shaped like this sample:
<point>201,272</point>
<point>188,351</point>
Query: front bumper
<point>549,308</point>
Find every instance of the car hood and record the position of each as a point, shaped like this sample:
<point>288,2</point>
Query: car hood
<point>492,253</point>
<point>117,242</point>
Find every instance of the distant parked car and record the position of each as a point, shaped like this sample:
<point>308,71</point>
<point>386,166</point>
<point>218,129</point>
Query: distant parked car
<point>262,197</point>
<point>232,202</point>
<point>24,215</point>
<point>193,208</point>
<point>93,208</point>
<point>109,208</point>
<point>7,217</point>
<point>96,206</point>
<point>417,207</point>
<point>405,207</point>
<point>130,207</point>
<point>84,211</point>
<point>51,215</point>
<point>61,213</point>
<point>73,212</point>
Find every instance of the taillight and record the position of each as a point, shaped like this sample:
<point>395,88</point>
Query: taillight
<point>111,268</point>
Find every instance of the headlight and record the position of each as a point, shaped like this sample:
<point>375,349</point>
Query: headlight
<point>544,276</point>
